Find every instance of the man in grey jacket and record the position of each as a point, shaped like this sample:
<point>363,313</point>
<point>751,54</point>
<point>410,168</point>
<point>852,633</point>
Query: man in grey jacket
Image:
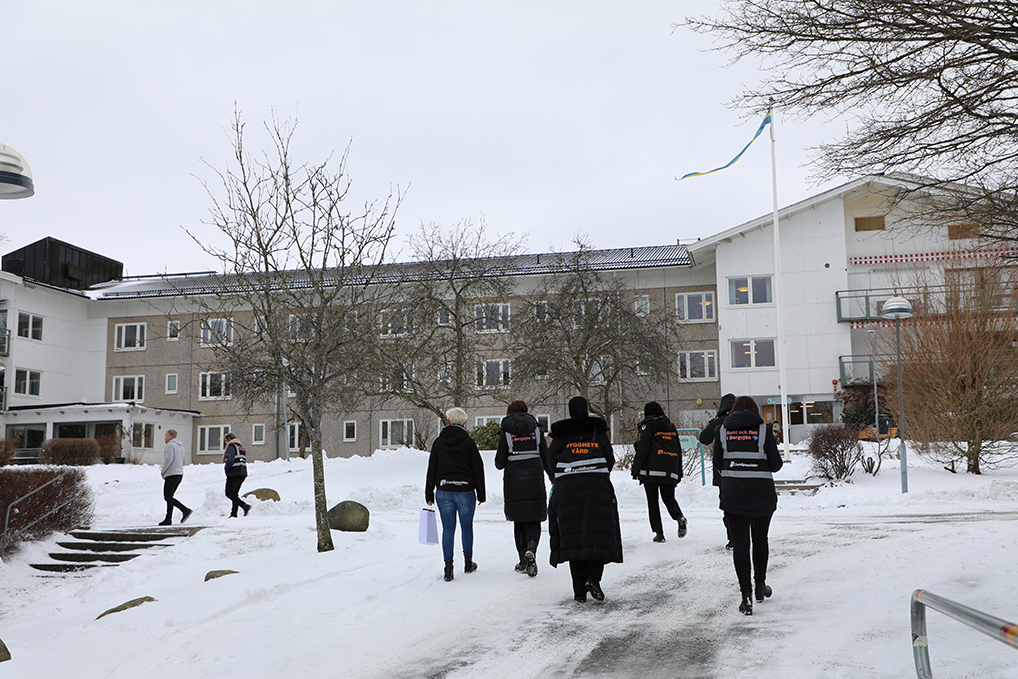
<point>173,474</point>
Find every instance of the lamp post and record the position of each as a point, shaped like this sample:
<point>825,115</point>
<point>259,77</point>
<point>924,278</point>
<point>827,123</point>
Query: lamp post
<point>873,376</point>
<point>15,177</point>
<point>896,309</point>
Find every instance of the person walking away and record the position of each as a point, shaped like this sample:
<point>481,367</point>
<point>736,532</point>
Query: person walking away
<point>707,437</point>
<point>583,513</point>
<point>657,465</point>
<point>235,462</point>
<point>746,453</point>
<point>456,481</point>
<point>173,474</point>
<point>521,451</point>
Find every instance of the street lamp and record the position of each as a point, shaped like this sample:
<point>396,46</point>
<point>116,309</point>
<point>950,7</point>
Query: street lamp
<point>895,309</point>
<point>15,177</point>
<point>873,376</point>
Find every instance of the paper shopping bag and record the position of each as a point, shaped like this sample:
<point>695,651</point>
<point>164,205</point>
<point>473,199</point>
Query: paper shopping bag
<point>427,532</point>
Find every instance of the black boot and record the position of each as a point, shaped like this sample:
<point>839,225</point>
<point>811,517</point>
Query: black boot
<point>595,590</point>
<point>762,591</point>
<point>659,537</point>
<point>746,607</point>
<point>448,571</point>
<point>682,526</point>
<point>166,522</point>
<point>468,565</point>
<point>531,560</point>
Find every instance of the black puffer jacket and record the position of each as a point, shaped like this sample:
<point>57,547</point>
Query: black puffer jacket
<point>455,465</point>
<point>743,490</point>
<point>710,432</point>
<point>523,481</point>
<point>583,515</point>
<point>658,458</point>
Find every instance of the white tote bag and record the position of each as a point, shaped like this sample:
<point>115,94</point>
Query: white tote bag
<point>427,532</point>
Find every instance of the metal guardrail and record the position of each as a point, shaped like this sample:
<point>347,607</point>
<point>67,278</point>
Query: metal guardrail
<point>6,541</point>
<point>692,436</point>
<point>999,629</point>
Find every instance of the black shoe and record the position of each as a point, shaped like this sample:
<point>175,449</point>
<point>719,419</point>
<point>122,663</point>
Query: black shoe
<point>448,571</point>
<point>729,545</point>
<point>682,526</point>
<point>595,590</point>
<point>166,522</point>
<point>187,513</point>
<point>762,591</point>
<point>468,566</point>
<point>582,598</point>
<point>246,509</point>
<point>531,566</point>
<point>660,537</point>
<point>521,567</point>
<point>746,607</point>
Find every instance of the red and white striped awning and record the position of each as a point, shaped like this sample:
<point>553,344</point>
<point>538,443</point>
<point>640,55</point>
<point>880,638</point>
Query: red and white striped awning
<point>930,256</point>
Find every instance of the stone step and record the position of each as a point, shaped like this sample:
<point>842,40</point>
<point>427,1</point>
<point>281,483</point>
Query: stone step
<point>134,535</point>
<point>66,567</point>
<point>89,557</point>
<point>110,546</point>
<point>792,486</point>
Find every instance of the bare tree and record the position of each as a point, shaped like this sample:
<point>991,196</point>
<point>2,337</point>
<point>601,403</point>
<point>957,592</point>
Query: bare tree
<point>454,302</point>
<point>297,283</point>
<point>583,335</point>
<point>960,378</point>
<point>931,87</point>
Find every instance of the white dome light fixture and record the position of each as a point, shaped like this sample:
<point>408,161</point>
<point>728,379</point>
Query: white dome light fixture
<point>15,175</point>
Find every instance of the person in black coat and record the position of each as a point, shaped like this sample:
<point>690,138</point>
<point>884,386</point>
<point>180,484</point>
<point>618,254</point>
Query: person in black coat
<point>583,514</point>
<point>657,465</point>
<point>521,451</point>
<point>456,480</point>
<point>745,456</point>
<point>235,464</point>
<point>707,437</point>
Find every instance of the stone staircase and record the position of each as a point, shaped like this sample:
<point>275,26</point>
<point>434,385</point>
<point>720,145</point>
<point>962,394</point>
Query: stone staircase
<point>791,486</point>
<point>87,548</point>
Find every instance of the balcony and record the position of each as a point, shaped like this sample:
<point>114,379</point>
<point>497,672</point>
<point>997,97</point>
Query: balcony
<point>5,343</point>
<point>861,306</point>
<point>856,370</point>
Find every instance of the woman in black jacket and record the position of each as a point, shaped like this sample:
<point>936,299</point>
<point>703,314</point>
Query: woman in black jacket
<point>521,451</point>
<point>456,480</point>
<point>745,455</point>
<point>657,465</point>
<point>707,436</point>
<point>583,514</point>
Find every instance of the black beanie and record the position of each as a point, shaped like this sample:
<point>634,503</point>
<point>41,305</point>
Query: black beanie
<point>578,407</point>
<point>653,409</point>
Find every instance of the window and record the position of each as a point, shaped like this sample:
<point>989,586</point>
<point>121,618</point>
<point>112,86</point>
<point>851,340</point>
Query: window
<point>698,365</point>
<point>214,386</point>
<point>985,289</point>
<point>396,433</point>
<point>350,430</point>
<point>585,312</point>
<point>482,421</point>
<point>445,372</point>
<point>27,382</point>
<point>642,305</point>
<point>301,328</point>
<point>541,311</point>
<point>294,441</point>
<point>959,231</point>
<point>491,318</point>
<point>172,331</point>
<point>350,321</point>
<point>217,331</point>
<point>30,326</point>
<point>753,353</point>
<point>143,435</point>
<point>258,435</point>
<point>396,322</point>
<point>544,422</point>
<point>171,383</point>
<point>129,388</point>
<point>210,438</point>
<point>444,317</point>
<point>694,307</point>
<point>493,373</point>
<point>129,337</point>
<point>401,378</point>
<point>869,223</point>
<point>750,290</point>
<point>261,325</point>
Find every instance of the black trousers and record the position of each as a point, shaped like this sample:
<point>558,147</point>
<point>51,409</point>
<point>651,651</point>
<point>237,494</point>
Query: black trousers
<point>233,484</point>
<point>667,493</point>
<point>170,484</point>
<point>528,535</point>
<point>746,529</point>
<point>581,571</point>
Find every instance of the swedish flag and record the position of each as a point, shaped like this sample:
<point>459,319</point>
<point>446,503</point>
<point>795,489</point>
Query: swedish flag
<point>766,120</point>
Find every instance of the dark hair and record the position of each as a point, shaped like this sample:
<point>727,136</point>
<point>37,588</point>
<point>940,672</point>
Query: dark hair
<point>230,437</point>
<point>516,407</point>
<point>745,403</point>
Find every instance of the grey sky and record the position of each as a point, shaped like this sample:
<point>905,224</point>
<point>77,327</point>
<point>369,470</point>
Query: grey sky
<point>545,119</point>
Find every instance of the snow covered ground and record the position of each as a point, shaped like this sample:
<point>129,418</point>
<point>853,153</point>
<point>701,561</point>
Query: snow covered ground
<point>844,563</point>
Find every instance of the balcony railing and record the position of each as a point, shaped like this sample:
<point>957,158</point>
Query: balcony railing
<point>862,369</point>
<point>860,306</point>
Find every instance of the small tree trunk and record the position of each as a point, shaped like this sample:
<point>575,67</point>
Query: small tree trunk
<point>321,504</point>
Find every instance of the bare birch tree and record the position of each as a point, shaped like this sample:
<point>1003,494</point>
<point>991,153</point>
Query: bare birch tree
<point>298,267</point>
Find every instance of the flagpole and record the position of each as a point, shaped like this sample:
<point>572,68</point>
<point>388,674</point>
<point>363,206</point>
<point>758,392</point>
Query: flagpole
<point>782,378</point>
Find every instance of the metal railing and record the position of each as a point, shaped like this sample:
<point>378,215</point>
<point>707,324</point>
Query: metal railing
<point>8,537</point>
<point>690,440</point>
<point>1001,630</point>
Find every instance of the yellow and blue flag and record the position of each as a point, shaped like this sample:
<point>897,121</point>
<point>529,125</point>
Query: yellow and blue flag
<point>767,119</point>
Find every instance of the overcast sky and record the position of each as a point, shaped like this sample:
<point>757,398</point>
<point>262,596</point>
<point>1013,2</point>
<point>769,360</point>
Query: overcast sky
<point>543,119</point>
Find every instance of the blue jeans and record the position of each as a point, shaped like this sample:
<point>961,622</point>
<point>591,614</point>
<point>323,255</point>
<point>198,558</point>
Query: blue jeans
<point>449,505</point>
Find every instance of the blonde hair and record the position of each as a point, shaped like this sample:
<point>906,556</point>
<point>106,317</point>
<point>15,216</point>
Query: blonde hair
<point>456,416</point>
<point>172,433</point>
